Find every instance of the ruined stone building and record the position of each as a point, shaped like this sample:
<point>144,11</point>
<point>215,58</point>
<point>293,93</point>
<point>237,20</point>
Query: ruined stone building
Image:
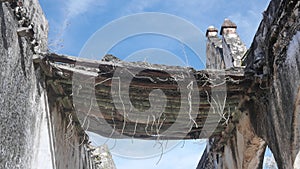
<point>44,96</point>
<point>227,52</point>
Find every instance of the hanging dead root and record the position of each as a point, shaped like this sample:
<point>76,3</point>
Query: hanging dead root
<point>73,129</point>
<point>190,88</point>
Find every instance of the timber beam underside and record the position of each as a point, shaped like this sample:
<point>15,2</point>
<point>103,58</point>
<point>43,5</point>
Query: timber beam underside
<point>121,99</point>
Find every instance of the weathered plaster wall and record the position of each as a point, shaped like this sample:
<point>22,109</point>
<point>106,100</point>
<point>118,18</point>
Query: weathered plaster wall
<point>270,109</point>
<point>35,130</point>
<point>69,140</point>
<point>244,150</point>
<point>22,96</point>
<point>214,53</point>
<point>275,51</point>
<point>273,60</point>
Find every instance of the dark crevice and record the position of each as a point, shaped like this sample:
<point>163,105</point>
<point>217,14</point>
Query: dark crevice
<point>3,28</point>
<point>298,61</point>
<point>22,56</point>
<point>233,147</point>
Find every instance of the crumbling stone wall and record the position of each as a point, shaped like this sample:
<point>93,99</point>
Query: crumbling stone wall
<point>274,57</point>
<point>22,94</point>
<point>70,142</point>
<point>34,130</point>
<point>270,108</point>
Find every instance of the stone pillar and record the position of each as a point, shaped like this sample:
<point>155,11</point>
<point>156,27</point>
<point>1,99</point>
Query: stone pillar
<point>233,48</point>
<point>214,54</point>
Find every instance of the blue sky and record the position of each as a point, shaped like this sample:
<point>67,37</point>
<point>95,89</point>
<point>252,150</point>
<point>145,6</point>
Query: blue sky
<point>73,22</point>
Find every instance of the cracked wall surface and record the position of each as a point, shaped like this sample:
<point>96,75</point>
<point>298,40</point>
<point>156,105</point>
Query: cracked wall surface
<point>35,132</point>
<point>270,109</point>
<point>22,95</point>
<point>275,51</point>
<point>35,113</point>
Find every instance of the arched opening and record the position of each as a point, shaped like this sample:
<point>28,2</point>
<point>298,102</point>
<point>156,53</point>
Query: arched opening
<point>269,160</point>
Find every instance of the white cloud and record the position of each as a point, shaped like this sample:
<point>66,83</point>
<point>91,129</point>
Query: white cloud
<point>77,7</point>
<point>136,6</point>
<point>190,8</point>
<point>72,9</point>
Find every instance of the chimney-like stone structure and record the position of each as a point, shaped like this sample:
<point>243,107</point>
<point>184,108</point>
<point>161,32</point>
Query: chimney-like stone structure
<point>214,54</point>
<point>225,52</point>
<point>211,32</point>
<point>270,109</point>
<point>228,28</point>
<point>233,48</point>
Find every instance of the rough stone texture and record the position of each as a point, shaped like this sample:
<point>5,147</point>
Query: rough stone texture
<point>68,138</point>
<point>22,89</point>
<point>268,111</point>
<point>225,52</point>
<point>35,132</point>
<point>233,48</point>
<point>238,147</point>
<point>214,53</point>
<point>275,111</point>
<point>244,149</point>
<point>270,115</point>
<point>103,158</point>
<point>210,158</point>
